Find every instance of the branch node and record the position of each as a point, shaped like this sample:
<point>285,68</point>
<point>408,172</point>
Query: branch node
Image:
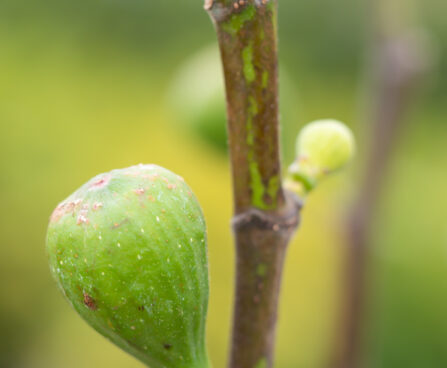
<point>286,219</point>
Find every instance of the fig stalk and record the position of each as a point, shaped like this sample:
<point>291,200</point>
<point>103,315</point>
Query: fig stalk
<point>266,215</point>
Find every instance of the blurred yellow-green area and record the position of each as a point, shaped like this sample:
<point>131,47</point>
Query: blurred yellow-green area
<point>83,90</point>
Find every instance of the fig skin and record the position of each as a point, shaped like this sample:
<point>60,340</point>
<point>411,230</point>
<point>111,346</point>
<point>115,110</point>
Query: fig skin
<point>324,146</point>
<point>129,251</point>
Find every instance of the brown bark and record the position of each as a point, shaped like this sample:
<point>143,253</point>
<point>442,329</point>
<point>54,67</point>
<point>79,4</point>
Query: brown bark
<point>261,244</point>
<point>248,45</point>
<point>266,216</point>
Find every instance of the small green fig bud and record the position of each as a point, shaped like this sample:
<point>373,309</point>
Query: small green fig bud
<point>322,147</point>
<point>128,250</point>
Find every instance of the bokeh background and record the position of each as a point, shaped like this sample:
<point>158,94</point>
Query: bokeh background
<point>87,86</point>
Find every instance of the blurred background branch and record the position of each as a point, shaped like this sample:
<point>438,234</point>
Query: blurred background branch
<point>400,57</point>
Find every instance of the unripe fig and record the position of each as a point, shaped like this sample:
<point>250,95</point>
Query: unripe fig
<point>128,250</point>
<point>322,147</point>
<point>196,97</point>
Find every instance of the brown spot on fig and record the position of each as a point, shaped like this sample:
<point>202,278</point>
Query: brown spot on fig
<point>89,302</point>
<point>82,220</point>
<point>57,214</point>
<point>116,225</point>
<point>141,308</point>
<point>64,208</point>
<point>75,203</point>
<point>101,183</point>
<point>167,346</point>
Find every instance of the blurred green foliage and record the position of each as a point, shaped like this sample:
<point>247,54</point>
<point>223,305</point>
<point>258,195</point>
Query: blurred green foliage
<point>81,92</point>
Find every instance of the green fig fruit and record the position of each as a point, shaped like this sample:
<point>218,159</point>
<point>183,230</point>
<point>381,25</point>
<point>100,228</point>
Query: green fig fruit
<point>129,251</point>
<point>322,147</point>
